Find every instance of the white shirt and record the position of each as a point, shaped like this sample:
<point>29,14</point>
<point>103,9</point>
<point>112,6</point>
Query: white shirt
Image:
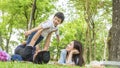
<point>48,26</point>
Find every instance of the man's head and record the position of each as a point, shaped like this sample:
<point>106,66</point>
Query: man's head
<point>58,18</point>
<point>42,57</point>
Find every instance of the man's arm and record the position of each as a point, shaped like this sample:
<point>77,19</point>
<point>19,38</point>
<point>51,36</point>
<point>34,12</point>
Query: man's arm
<point>57,35</point>
<point>58,38</point>
<point>47,42</point>
<point>35,37</point>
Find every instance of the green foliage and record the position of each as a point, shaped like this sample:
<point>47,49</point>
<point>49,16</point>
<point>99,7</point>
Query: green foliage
<point>97,15</point>
<point>16,15</point>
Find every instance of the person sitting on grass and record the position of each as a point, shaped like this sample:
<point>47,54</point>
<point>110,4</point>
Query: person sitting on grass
<point>72,54</point>
<point>28,53</point>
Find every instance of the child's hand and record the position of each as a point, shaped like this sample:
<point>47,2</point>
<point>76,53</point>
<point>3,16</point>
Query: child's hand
<point>74,51</point>
<point>27,33</point>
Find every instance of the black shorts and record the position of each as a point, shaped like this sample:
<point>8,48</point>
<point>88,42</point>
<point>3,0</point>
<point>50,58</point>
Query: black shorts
<point>42,57</point>
<point>25,51</point>
<point>19,49</point>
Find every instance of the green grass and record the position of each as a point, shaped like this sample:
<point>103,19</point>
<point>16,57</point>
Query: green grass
<point>31,65</point>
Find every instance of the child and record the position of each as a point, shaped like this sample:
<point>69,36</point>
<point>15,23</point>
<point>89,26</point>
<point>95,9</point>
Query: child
<point>38,33</point>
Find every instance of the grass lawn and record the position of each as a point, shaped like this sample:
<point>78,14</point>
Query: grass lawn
<point>31,65</point>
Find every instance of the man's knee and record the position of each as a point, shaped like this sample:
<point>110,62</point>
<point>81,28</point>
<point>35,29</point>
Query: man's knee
<point>19,49</point>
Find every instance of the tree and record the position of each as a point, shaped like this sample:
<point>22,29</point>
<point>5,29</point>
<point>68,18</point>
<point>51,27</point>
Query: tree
<point>97,16</point>
<point>114,33</point>
<point>15,15</point>
<point>32,15</point>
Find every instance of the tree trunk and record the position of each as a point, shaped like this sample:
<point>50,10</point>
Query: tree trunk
<point>8,39</point>
<point>32,15</point>
<point>7,43</point>
<point>90,31</point>
<point>114,33</point>
<point>26,16</point>
<point>94,43</point>
<point>1,41</point>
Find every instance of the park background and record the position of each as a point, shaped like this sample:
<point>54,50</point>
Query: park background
<point>95,23</point>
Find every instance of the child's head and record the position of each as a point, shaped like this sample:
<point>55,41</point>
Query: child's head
<point>58,18</point>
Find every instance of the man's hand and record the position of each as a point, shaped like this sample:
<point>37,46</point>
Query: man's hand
<point>27,33</point>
